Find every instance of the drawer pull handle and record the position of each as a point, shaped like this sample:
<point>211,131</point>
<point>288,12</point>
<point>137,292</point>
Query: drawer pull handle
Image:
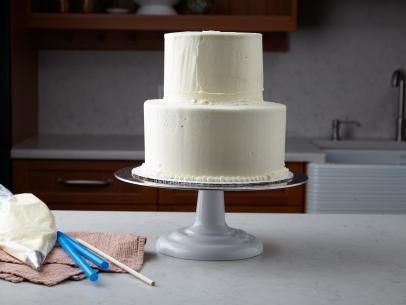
<point>78,182</point>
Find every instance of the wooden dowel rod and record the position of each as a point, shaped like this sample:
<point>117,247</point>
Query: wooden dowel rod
<point>116,262</point>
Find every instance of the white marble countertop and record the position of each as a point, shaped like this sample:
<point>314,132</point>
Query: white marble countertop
<point>126,147</point>
<point>308,259</point>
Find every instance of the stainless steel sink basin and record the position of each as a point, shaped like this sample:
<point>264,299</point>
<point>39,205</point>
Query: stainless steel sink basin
<point>365,157</point>
<point>360,144</point>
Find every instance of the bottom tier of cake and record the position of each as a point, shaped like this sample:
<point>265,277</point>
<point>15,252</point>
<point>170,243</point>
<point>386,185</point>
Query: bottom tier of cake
<point>214,143</point>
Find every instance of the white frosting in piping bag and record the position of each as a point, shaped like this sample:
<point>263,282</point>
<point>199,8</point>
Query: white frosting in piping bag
<point>27,229</point>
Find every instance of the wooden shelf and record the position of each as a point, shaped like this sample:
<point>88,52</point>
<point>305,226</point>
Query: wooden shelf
<point>102,31</point>
<point>55,21</point>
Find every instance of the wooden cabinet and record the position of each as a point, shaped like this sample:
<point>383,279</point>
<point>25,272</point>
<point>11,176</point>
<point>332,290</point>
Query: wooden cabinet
<point>90,185</point>
<point>98,30</point>
<point>81,185</point>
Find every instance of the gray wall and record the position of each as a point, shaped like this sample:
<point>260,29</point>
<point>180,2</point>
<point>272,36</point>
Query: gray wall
<point>339,66</point>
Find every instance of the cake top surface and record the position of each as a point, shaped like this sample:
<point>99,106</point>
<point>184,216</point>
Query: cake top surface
<point>212,34</point>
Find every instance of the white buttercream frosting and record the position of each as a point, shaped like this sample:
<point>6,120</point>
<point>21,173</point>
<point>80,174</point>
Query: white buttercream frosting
<point>145,172</point>
<point>214,140</point>
<point>212,124</point>
<point>213,66</point>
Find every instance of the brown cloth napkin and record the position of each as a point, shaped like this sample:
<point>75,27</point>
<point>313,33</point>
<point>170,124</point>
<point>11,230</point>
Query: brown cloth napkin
<point>58,267</point>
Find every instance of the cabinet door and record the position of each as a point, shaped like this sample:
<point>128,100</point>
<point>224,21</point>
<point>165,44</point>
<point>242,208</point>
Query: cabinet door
<point>289,200</point>
<point>81,185</point>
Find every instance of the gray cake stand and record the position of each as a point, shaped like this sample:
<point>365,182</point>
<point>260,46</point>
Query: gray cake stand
<point>209,237</point>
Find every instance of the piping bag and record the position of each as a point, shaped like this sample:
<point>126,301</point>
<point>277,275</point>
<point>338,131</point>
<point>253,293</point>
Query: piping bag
<point>27,227</point>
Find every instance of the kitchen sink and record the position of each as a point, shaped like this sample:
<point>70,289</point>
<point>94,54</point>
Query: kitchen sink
<point>358,177</point>
<point>360,144</point>
<point>366,157</point>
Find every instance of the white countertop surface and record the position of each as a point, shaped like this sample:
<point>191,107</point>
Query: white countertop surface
<point>126,147</point>
<point>308,259</point>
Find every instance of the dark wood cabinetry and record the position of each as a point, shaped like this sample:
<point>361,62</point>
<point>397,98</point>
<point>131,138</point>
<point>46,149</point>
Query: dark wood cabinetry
<point>90,185</point>
<point>99,30</point>
<point>81,185</point>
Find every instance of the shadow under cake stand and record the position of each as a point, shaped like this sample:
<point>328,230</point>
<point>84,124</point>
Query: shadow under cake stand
<point>209,237</point>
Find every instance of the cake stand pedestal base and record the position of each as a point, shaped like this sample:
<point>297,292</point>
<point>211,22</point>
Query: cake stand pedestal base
<point>209,238</point>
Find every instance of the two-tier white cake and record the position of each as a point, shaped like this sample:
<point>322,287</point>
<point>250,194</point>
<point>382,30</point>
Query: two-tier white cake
<point>212,124</point>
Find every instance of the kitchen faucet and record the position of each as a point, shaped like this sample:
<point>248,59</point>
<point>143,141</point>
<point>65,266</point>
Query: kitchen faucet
<point>336,124</point>
<point>398,81</point>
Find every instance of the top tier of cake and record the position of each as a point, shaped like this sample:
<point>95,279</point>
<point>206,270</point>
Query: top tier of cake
<point>213,67</point>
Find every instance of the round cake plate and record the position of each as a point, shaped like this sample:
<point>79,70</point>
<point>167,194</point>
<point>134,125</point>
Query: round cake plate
<point>209,237</point>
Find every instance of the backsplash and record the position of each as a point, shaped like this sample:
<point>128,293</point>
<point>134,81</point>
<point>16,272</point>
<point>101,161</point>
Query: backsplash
<point>89,92</point>
<point>339,66</point>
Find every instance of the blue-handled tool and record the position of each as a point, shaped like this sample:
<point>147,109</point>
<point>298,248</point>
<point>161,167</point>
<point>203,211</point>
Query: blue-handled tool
<point>86,253</point>
<point>70,250</point>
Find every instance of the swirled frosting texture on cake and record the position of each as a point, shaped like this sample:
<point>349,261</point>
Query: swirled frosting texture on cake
<point>213,66</point>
